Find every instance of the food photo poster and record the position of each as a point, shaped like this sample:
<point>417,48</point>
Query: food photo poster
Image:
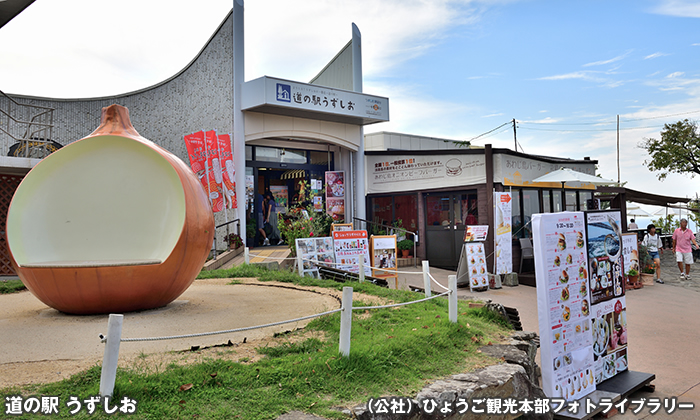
<point>563,304</point>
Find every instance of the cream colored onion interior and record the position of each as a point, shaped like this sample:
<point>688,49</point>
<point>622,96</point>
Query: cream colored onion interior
<point>102,199</point>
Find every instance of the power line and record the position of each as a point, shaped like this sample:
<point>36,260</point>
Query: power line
<point>581,131</point>
<point>489,132</point>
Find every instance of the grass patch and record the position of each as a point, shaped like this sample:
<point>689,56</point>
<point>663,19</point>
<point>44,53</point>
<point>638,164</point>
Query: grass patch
<point>393,352</point>
<point>11,286</point>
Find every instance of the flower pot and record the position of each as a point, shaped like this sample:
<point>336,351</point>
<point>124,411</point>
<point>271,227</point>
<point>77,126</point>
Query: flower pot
<point>647,279</point>
<point>404,253</point>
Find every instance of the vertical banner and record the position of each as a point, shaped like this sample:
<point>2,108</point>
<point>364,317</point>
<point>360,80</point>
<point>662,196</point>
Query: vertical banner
<point>563,305</point>
<point>349,247</point>
<point>228,170</point>
<point>215,176</point>
<point>197,151</point>
<point>335,195</point>
<point>503,236</point>
<point>607,267</point>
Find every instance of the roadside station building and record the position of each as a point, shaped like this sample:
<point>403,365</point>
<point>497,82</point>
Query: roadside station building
<point>292,131</point>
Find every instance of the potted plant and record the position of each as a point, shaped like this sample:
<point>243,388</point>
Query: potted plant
<point>633,279</point>
<point>234,241</point>
<point>648,266</point>
<point>405,246</point>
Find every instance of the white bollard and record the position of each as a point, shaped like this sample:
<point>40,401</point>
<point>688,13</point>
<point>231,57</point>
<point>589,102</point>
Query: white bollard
<point>426,278</point>
<point>452,297</point>
<point>247,255</point>
<point>362,269</point>
<point>111,356</point>
<point>346,322</point>
<point>300,264</point>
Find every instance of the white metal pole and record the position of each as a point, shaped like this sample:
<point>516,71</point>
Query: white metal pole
<point>238,135</point>
<point>426,278</point>
<point>346,321</point>
<point>247,255</point>
<point>362,269</point>
<point>360,154</point>
<point>111,356</point>
<point>300,264</point>
<point>452,297</point>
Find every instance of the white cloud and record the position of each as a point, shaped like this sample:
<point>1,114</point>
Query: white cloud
<point>675,75</point>
<point>493,115</point>
<point>655,55</point>
<point>679,8</point>
<point>612,60</point>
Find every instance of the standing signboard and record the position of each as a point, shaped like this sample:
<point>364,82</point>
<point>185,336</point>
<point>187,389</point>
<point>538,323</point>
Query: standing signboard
<point>335,195</point>
<point>630,254</point>
<point>315,252</point>
<point>349,247</point>
<point>608,303</point>
<point>476,233</point>
<point>341,227</point>
<point>383,252</point>
<point>563,305</point>
<point>472,266</point>
<point>503,232</point>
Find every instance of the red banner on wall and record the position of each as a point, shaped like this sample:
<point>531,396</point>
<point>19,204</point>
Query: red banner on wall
<point>228,171</point>
<point>214,168</point>
<point>196,149</point>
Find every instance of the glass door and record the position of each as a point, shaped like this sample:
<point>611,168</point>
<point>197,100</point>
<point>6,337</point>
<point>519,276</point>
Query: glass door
<point>447,215</point>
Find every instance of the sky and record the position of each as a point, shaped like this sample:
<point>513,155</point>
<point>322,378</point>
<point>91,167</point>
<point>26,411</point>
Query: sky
<point>455,69</point>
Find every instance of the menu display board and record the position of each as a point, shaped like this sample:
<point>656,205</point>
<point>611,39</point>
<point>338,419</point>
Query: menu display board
<point>604,251</point>
<point>503,236</point>
<point>349,247</point>
<point>476,233</point>
<point>563,304</point>
<point>341,226</point>
<point>608,252</point>
<point>335,195</point>
<point>609,325</point>
<point>315,249</point>
<point>472,266</point>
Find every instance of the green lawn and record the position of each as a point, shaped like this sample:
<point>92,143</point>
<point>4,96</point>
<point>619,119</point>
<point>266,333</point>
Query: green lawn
<point>11,286</point>
<point>393,352</point>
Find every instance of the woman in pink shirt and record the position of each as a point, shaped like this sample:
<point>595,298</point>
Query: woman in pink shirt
<point>682,238</point>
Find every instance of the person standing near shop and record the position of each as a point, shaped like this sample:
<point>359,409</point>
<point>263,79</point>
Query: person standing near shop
<point>271,217</point>
<point>261,207</point>
<point>654,246</point>
<point>632,225</point>
<point>682,239</point>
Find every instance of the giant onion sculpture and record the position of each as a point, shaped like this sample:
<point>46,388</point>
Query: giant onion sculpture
<point>110,223</point>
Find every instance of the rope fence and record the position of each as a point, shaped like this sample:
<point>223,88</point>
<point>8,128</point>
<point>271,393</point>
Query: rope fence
<point>114,328</point>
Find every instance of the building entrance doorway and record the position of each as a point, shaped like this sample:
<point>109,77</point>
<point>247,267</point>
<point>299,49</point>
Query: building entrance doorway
<point>447,214</point>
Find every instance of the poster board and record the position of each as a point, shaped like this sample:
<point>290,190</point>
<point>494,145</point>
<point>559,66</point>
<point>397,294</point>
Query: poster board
<point>335,195</point>
<point>630,253</point>
<point>476,233</point>
<point>383,252</point>
<point>349,246</point>
<point>341,227</point>
<point>503,232</point>
<point>563,305</point>
<point>472,266</point>
<point>606,251</point>
<point>281,195</point>
<point>316,249</point>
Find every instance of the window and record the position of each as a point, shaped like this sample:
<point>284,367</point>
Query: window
<point>556,201</point>
<point>438,210</point>
<point>571,204</point>
<point>546,201</point>
<point>517,219</point>
<point>531,205</point>
<point>388,210</point>
<point>466,210</point>
<point>584,196</point>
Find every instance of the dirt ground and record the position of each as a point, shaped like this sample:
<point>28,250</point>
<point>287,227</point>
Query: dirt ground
<point>39,344</point>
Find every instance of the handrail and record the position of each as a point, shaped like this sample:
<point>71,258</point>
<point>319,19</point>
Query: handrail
<point>228,231</point>
<point>415,236</point>
<point>36,120</point>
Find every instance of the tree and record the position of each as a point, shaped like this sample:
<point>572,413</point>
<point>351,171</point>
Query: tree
<point>677,151</point>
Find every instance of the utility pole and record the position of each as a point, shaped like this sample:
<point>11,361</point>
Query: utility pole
<point>515,136</point>
<point>618,149</point>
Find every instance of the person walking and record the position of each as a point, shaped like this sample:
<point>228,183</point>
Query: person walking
<point>271,217</point>
<point>654,246</point>
<point>682,238</point>
<point>262,208</point>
